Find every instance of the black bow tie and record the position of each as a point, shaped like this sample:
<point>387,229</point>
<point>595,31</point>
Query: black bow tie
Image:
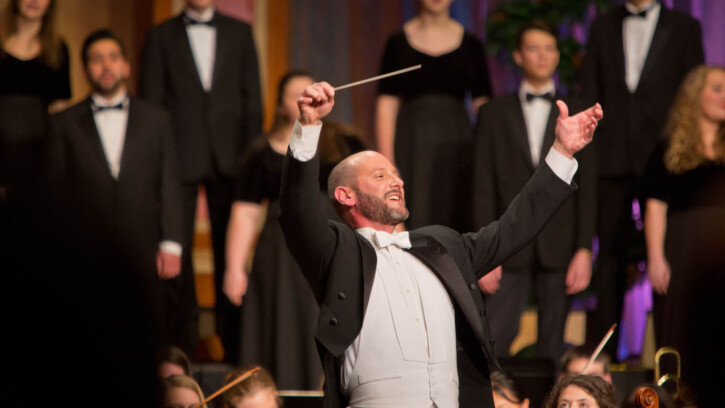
<point>97,108</point>
<point>545,96</point>
<point>190,21</point>
<point>642,14</point>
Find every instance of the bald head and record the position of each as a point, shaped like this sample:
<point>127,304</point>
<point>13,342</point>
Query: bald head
<point>344,174</point>
<point>366,190</point>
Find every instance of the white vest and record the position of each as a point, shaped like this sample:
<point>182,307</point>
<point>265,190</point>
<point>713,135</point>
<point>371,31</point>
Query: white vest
<point>405,355</point>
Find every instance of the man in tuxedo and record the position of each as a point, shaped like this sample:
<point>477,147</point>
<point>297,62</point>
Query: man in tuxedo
<point>202,66</point>
<point>513,134</point>
<point>113,163</point>
<point>402,321</point>
<point>636,57</point>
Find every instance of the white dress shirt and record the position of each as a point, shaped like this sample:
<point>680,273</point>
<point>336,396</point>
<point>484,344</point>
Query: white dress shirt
<point>637,33</point>
<point>111,126</point>
<point>202,39</point>
<point>536,116</point>
<point>405,353</point>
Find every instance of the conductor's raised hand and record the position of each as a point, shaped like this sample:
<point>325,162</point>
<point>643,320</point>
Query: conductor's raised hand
<point>315,103</point>
<point>575,132</point>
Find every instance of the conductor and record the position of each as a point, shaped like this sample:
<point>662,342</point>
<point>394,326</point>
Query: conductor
<point>402,321</point>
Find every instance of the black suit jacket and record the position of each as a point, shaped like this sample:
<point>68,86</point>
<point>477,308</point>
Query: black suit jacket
<point>212,128</point>
<point>140,208</point>
<point>503,165</point>
<point>632,125</point>
<point>339,265</point>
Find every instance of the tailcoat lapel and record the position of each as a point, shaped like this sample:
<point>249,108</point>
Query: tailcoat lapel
<point>618,43</point>
<point>369,263</point>
<point>223,49</point>
<point>129,141</point>
<point>93,138</point>
<point>550,132</point>
<point>184,49</point>
<point>515,116</point>
<point>436,257</point>
<point>658,47</point>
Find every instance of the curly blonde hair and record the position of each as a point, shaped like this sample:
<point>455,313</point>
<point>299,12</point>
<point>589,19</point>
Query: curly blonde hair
<point>683,124</point>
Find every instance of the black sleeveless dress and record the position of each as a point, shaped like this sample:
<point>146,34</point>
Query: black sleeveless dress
<point>433,135</point>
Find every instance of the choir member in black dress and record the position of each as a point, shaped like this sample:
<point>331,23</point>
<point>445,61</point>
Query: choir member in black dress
<point>279,312</point>
<point>454,66</point>
<point>34,73</point>
<point>685,224</point>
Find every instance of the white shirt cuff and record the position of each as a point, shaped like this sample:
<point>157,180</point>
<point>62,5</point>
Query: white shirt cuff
<point>171,247</point>
<point>303,144</point>
<point>562,166</point>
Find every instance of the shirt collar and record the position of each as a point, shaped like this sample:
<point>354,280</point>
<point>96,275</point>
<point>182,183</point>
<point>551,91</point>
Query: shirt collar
<point>645,7</point>
<point>204,17</point>
<point>526,87</point>
<point>99,100</point>
<point>382,239</point>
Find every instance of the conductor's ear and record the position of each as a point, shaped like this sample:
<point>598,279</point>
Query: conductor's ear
<point>345,196</point>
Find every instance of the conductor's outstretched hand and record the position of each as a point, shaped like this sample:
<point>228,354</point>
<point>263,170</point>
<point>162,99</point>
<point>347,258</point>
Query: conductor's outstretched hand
<point>315,103</point>
<point>575,132</point>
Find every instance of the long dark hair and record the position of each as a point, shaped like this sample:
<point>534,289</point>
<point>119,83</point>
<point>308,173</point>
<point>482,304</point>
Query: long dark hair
<point>278,120</point>
<point>50,43</point>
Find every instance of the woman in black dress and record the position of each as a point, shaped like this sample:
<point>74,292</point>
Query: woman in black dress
<point>33,74</point>
<point>279,312</point>
<point>421,121</point>
<point>685,220</point>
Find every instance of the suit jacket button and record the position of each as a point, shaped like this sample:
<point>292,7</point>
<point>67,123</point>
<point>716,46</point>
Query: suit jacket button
<point>473,286</point>
<point>483,312</point>
<point>333,321</point>
<point>341,296</point>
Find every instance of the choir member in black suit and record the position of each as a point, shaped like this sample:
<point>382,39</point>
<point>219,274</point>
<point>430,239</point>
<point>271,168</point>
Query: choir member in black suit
<point>202,66</point>
<point>636,57</point>
<point>514,132</point>
<point>115,235</point>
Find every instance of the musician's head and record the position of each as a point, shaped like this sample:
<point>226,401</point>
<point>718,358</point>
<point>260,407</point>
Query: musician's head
<point>367,191</point>
<point>182,392</point>
<point>579,391</point>
<point>575,359</point>
<point>172,361</point>
<point>536,52</point>
<point>507,392</point>
<point>257,391</point>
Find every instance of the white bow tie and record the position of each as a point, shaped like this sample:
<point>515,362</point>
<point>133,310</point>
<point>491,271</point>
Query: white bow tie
<point>383,239</point>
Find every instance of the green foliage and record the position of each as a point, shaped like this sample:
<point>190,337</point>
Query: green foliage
<point>504,22</point>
